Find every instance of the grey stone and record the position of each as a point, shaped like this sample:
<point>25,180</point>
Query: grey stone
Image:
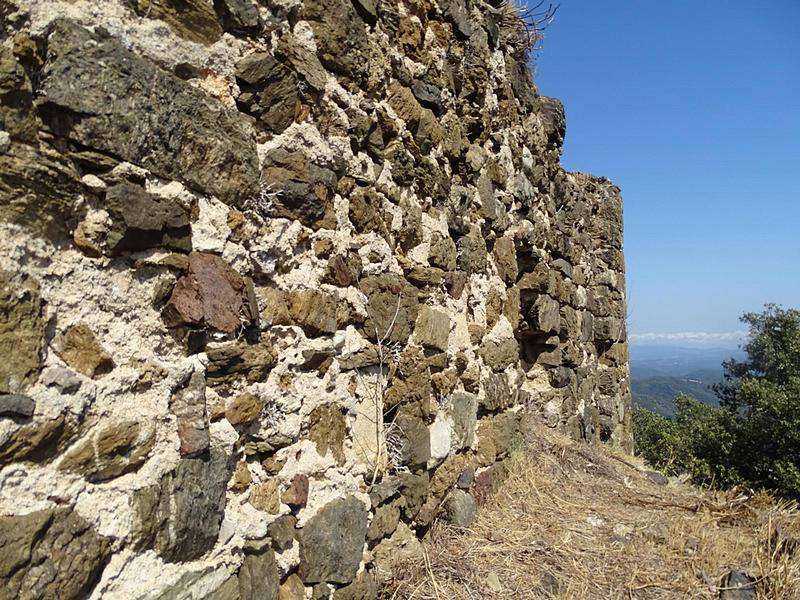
<point>16,405</point>
<point>428,95</point>
<point>97,93</point>
<point>460,508</point>
<point>738,586</point>
<point>63,379</point>
<point>497,394</point>
<point>50,554</point>
<point>189,406</point>
<point>463,414</point>
<point>281,532</point>
<point>555,124</point>
<point>239,15</point>
<point>416,442</point>
<point>472,254</point>
<point>499,354</point>
<point>456,11</point>
<point>609,329</point>
<point>259,578</point>
<point>466,478</point>
<point>180,516</point>
<point>331,542</point>
<point>383,490</point>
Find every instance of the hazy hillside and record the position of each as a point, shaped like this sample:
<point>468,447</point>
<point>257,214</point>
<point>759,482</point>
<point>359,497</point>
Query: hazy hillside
<point>660,373</point>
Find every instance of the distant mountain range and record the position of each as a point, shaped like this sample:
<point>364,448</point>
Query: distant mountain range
<point>659,373</point>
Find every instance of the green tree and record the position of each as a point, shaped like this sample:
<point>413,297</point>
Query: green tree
<point>754,436</point>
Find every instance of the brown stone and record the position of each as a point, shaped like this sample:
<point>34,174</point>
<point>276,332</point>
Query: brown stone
<point>327,429</point>
<point>313,310</point>
<point>111,451</point>
<point>292,589</point>
<point>21,332</point>
<point>505,259</point>
<point>37,441</point>
<point>245,409</point>
<point>209,295</point>
<point>189,406</point>
<point>392,307</point>
<point>241,476</point>
<point>265,497</point>
<point>296,495</point>
<point>78,347</point>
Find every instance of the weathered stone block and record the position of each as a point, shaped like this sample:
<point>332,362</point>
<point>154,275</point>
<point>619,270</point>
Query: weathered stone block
<point>246,408</point>
<point>50,554</point>
<point>298,189</point>
<point>21,332</point>
<point>392,307</point>
<point>499,354</point>
<point>189,406</point>
<point>432,328</point>
<point>259,578</point>
<point>180,516</point>
<point>460,508</point>
<point>113,450</point>
<point>313,310</point>
<point>209,295</point>
<point>79,348</point>
<point>100,94</point>
<point>331,542</point>
<point>327,429</point>
<point>226,362</point>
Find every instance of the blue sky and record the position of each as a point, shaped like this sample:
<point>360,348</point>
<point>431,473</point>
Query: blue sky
<point>693,109</point>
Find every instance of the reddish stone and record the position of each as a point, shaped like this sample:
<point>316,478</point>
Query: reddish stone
<point>296,495</point>
<point>210,294</point>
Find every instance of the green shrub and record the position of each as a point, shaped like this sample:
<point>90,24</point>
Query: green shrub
<point>754,436</point>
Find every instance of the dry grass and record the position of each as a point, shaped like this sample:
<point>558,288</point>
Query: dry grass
<point>576,522</point>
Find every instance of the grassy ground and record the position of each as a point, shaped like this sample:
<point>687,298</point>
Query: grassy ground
<point>579,522</point>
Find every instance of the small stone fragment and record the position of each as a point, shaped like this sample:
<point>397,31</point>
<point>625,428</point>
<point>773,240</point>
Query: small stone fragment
<point>245,409</point>
<point>265,497</point>
<point>189,406</point>
<point>210,294</point>
<point>296,495</point>
<point>78,347</point>
<point>16,405</point>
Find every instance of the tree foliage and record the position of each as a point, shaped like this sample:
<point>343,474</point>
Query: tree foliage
<point>754,435</point>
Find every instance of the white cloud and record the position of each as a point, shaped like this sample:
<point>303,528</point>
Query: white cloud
<point>691,337</point>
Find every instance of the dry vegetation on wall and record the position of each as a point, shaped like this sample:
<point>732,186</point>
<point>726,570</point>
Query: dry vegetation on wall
<point>576,522</point>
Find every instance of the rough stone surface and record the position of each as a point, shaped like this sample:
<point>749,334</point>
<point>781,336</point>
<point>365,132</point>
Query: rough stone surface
<point>331,542</point>
<point>209,295</point>
<point>16,405</point>
<point>189,406</point>
<point>327,429</point>
<point>460,508</point>
<point>112,450</point>
<point>180,517</point>
<point>21,332</point>
<point>163,124</point>
<point>259,577</point>
<point>50,554</point>
<point>287,277</point>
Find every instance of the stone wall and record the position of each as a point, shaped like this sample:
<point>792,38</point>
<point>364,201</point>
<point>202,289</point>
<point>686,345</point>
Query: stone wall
<point>280,284</point>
